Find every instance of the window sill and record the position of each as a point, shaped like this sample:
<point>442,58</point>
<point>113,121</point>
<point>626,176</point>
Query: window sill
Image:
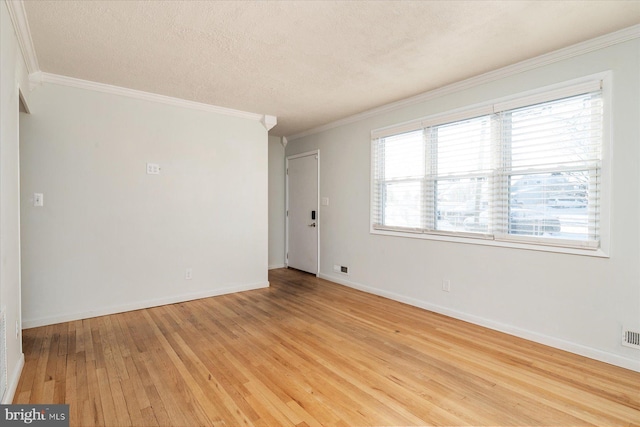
<point>484,241</point>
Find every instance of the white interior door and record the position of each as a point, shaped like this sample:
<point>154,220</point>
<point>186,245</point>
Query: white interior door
<point>302,212</point>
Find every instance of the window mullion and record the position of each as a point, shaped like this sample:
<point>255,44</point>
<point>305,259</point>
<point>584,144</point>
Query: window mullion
<point>431,170</point>
<point>502,140</point>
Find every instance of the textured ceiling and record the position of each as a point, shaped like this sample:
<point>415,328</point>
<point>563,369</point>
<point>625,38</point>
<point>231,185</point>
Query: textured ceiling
<point>307,62</point>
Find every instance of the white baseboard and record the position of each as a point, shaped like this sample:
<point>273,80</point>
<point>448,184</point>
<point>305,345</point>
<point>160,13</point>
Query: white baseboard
<point>13,382</point>
<point>571,347</point>
<point>68,317</point>
<point>273,267</point>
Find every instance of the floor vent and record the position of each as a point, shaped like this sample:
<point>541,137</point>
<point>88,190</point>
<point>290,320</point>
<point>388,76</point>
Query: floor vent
<point>631,339</point>
<point>3,355</point>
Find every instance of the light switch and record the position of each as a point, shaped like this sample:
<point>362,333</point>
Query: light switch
<point>325,201</point>
<point>38,199</point>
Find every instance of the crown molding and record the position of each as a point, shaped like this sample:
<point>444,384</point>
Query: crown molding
<point>21,26</point>
<point>582,48</point>
<point>40,77</point>
<point>20,23</point>
<point>269,122</point>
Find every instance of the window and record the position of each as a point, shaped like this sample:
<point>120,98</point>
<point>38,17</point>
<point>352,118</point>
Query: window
<point>524,171</point>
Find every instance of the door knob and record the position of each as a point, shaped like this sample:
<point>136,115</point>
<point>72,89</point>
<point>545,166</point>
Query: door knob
<point>312,225</point>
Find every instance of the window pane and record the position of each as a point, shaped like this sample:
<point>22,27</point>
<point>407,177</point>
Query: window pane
<point>402,204</point>
<point>462,205</point>
<point>558,205</point>
<point>560,134</point>
<point>404,155</point>
<point>464,147</point>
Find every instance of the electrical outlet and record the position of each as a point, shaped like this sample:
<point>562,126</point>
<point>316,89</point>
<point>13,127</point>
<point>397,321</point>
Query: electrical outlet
<point>153,169</point>
<point>446,285</point>
<point>340,269</point>
<point>188,275</point>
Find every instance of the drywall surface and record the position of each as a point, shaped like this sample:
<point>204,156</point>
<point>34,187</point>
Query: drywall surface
<point>111,237</point>
<point>577,303</point>
<point>13,77</point>
<point>276,202</point>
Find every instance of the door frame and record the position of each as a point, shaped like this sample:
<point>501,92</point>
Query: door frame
<point>318,217</point>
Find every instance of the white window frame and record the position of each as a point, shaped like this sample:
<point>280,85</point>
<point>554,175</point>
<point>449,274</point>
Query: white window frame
<point>539,95</point>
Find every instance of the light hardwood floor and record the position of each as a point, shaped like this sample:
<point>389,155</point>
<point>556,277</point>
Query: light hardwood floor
<point>310,352</point>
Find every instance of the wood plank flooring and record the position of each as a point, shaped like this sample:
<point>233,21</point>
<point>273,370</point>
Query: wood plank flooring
<point>309,352</point>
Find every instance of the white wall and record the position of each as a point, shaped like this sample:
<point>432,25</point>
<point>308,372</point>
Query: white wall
<point>13,77</point>
<point>276,202</point>
<point>112,238</point>
<point>578,303</point>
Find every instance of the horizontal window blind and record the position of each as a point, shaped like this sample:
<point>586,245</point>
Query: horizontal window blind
<point>399,165</point>
<point>463,164</point>
<point>527,173</point>
<point>552,161</point>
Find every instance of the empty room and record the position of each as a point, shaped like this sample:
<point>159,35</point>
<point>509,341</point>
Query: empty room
<point>306,213</point>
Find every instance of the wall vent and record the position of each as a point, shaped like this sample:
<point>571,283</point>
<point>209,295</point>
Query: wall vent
<point>3,354</point>
<point>631,339</point>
